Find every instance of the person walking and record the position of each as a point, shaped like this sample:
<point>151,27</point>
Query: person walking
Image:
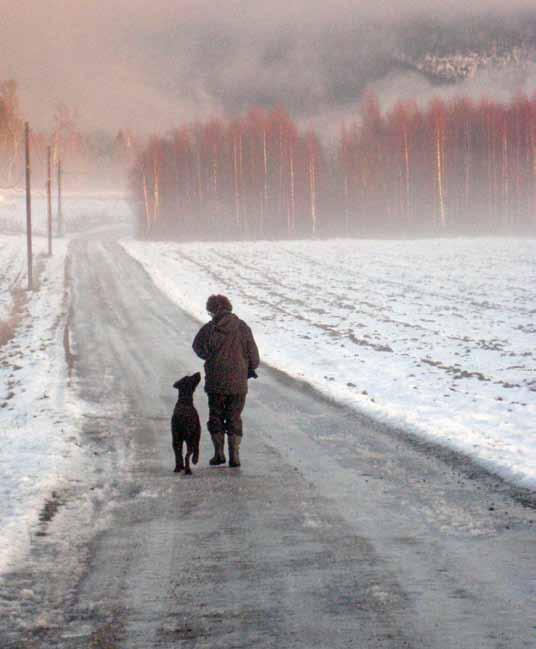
<point>231,356</point>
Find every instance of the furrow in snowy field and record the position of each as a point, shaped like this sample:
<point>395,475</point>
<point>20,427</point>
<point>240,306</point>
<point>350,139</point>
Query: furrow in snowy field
<point>435,336</point>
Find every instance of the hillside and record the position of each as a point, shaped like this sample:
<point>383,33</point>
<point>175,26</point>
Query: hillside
<point>449,52</point>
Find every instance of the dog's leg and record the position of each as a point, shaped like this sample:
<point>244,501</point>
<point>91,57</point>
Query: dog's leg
<point>176,443</point>
<point>187,470</point>
<point>177,449</point>
<point>195,448</point>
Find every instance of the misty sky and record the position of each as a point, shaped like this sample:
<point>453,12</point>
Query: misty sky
<point>152,64</point>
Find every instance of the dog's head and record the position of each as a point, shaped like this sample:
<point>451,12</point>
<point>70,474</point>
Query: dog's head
<point>187,385</point>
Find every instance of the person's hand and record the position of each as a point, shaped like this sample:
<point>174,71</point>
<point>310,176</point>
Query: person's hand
<point>252,374</point>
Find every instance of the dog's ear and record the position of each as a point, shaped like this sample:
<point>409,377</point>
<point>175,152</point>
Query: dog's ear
<point>180,383</point>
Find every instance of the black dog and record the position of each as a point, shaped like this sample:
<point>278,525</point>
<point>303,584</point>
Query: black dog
<point>185,425</point>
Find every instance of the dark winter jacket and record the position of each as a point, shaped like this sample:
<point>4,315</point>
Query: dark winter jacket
<point>228,348</point>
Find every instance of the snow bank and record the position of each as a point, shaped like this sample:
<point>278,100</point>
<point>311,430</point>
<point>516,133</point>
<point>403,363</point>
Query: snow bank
<point>38,419</point>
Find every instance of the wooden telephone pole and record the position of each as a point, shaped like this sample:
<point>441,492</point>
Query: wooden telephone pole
<point>49,199</point>
<point>60,212</point>
<point>28,205</point>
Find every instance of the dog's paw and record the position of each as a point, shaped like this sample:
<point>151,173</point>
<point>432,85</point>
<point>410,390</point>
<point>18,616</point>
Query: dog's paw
<point>188,472</point>
<point>177,469</point>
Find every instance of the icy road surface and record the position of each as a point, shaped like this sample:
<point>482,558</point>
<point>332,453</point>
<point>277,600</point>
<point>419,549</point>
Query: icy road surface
<point>336,532</point>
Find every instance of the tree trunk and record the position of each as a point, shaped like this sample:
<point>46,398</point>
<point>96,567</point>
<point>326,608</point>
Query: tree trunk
<point>407,179</point>
<point>439,173</point>
<point>146,206</point>
<point>236,167</point>
<point>156,191</point>
<point>312,191</point>
<point>505,178</point>
<point>292,191</point>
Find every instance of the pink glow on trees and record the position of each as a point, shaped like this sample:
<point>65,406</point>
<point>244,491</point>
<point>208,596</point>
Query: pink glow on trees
<point>454,166</point>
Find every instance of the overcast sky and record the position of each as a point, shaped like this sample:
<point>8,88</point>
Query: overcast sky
<point>152,64</point>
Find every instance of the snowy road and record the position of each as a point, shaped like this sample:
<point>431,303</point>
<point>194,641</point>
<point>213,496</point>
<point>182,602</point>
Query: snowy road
<point>334,533</point>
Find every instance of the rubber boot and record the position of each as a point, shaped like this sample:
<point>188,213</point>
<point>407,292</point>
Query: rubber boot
<point>218,440</point>
<point>234,449</point>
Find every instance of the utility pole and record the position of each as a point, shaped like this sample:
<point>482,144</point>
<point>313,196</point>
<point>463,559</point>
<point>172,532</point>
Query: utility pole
<point>60,214</point>
<point>49,199</point>
<point>28,205</point>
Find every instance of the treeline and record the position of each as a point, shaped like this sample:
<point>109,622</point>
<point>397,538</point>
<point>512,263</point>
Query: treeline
<point>451,167</point>
<point>255,176</point>
<point>89,160</point>
<point>455,166</point>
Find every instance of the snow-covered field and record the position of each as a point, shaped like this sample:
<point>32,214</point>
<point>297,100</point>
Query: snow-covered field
<point>79,211</point>
<point>435,336</point>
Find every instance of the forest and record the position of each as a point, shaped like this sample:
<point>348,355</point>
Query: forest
<point>90,160</point>
<point>450,167</point>
<point>445,168</point>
